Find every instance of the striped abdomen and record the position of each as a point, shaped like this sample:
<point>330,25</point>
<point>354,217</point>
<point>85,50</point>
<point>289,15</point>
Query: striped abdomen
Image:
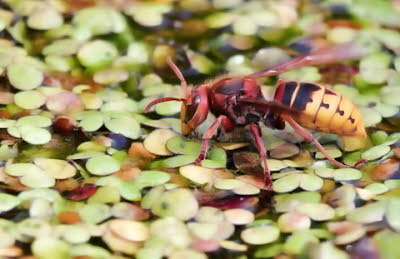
<point>321,108</point>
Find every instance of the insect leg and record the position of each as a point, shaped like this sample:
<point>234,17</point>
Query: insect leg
<point>209,134</point>
<point>256,132</point>
<point>310,138</point>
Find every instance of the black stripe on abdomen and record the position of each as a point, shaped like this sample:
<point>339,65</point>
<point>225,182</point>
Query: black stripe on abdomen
<point>304,95</point>
<point>288,93</point>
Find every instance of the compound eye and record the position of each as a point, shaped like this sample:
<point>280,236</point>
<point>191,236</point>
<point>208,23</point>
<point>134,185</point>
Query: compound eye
<point>190,110</point>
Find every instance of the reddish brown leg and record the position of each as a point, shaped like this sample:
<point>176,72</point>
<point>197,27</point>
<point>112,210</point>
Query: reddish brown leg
<point>256,132</point>
<point>309,137</point>
<point>210,133</point>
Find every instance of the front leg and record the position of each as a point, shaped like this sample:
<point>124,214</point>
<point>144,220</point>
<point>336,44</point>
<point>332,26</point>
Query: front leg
<point>226,123</point>
<point>256,132</point>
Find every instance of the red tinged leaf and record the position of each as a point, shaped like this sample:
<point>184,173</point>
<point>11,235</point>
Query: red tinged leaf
<point>232,202</point>
<point>82,192</point>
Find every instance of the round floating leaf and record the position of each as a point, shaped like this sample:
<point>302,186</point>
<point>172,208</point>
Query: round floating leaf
<point>34,135</point>
<point>287,183</point>
<point>239,216</point>
<point>92,122</point>
<point>310,182</point>
<point>102,165</point>
<point>375,152</point>
<point>186,253</point>
<point>97,53</point>
<point>284,151</point>
<point>8,202</point>
<point>197,174</point>
<point>156,141</point>
<point>58,169</point>
<point>29,99</point>
<point>34,120</point>
<point>180,145</point>
<point>24,76</point>
<point>372,212</point>
<point>50,247</point>
<point>45,17</point>
<point>316,211</point>
<point>347,174</point>
<point>4,123</point>
<point>123,105</point>
<point>94,212</point>
<point>299,241</point>
<point>151,179</point>
<point>325,172</point>
<point>377,188</point>
<point>172,230</point>
<point>75,234</point>
<point>20,169</point>
<point>179,203</point>
<point>37,180</point>
<point>260,235</point>
<point>125,126</point>
<point>210,215</point>
<point>346,232</point>
<point>205,231</point>
<point>13,131</point>
<point>293,221</point>
<point>130,230</point>
<point>111,76</point>
<point>129,191</point>
<point>89,250</point>
<point>174,162</point>
<point>392,213</point>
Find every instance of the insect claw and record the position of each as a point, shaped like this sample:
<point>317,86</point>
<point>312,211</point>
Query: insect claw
<point>359,163</point>
<point>199,159</point>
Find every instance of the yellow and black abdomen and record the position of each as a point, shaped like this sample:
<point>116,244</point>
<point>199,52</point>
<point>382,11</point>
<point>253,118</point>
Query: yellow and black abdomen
<point>320,108</point>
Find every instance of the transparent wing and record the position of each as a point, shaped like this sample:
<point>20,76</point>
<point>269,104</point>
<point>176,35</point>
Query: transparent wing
<point>325,55</point>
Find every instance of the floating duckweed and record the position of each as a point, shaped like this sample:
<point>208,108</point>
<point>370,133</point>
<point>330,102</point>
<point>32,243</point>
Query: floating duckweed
<point>75,234</point>
<point>151,179</point>
<point>148,14</point>
<point>97,53</point>
<point>260,235</point>
<point>59,169</point>
<point>172,230</point>
<point>179,203</point>
<point>102,165</point>
<point>23,76</point>
<point>125,126</point>
<point>34,120</point>
<point>50,247</point>
<point>45,17</point>
<point>8,202</point>
<point>129,230</point>
<point>34,135</point>
<point>197,174</point>
<point>293,221</point>
<point>294,179</point>
<point>156,142</point>
<point>239,216</point>
<point>111,76</point>
<point>316,211</point>
<point>375,152</point>
<point>236,186</point>
<point>29,99</point>
<point>347,174</point>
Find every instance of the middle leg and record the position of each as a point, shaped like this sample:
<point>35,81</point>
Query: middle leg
<point>256,132</point>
